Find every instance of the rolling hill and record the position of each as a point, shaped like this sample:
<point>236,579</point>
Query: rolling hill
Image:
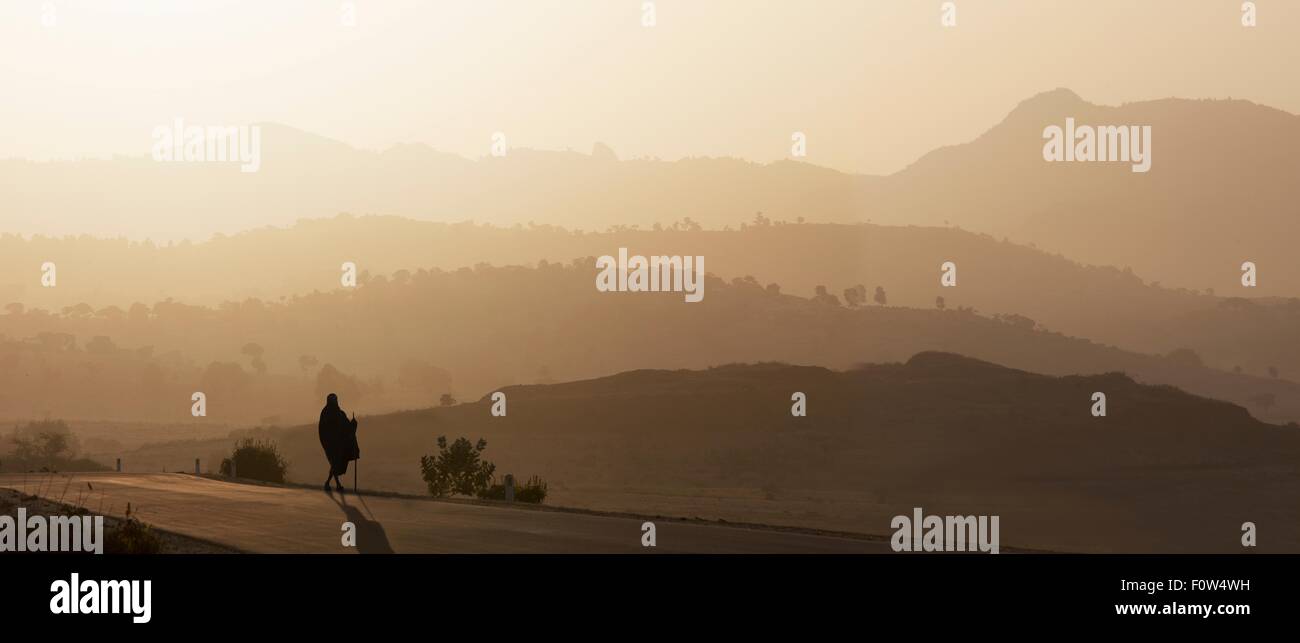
<point>403,340</point>
<point>1103,304</point>
<point>1162,471</point>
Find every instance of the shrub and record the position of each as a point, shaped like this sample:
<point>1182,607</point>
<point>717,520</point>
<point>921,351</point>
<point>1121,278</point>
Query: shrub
<point>458,469</point>
<point>533,491</point>
<point>256,460</point>
<point>131,536</point>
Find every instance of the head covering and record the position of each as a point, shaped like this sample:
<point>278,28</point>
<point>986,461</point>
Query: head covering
<point>332,400</point>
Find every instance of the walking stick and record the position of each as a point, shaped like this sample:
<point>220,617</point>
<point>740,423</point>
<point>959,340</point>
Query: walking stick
<point>356,464</point>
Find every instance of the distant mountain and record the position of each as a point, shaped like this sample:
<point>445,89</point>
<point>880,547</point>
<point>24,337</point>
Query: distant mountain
<point>1221,190</point>
<point>304,175</point>
<point>1162,471</point>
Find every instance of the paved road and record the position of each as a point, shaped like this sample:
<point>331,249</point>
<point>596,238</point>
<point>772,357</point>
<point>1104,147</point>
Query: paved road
<point>292,520</point>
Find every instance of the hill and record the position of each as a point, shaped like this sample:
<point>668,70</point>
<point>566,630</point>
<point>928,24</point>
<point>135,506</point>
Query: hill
<point>1163,471</point>
<point>1103,304</point>
<point>403,341</point>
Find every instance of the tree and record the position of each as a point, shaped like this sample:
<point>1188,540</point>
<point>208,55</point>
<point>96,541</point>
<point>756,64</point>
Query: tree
<point>45,442</point>
<point>255,351</point>
<point>880,295</point>
<point>457,470</point>
<point>447,399</point>
<point>53,444</point>
<point>855,295</point>
<point>139,313</point>
<point>100,345</point>
<point>1272,372</point>
<point>306,363</point>
<point>821,296</point>
<point>939,303</point>
<point>55,342</point>
<point>332,380</point>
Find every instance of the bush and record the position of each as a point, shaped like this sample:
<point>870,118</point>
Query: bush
<point>131,536</point>
<point>533,491</point>
<point>256,460</point>
<point>459,469</point>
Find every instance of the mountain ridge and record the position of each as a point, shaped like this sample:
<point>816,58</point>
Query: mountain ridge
<point>1221,187</point>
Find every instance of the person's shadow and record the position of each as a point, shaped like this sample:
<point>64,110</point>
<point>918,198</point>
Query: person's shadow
<point>371,538</point>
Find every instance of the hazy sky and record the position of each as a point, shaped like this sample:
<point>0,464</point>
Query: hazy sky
<point>873,83</point>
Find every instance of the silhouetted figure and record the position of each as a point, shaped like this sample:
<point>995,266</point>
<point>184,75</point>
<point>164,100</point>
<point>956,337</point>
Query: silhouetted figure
<point>338,436</point>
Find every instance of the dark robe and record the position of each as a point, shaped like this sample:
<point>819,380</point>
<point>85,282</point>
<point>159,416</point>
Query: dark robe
<point>338,436</point>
